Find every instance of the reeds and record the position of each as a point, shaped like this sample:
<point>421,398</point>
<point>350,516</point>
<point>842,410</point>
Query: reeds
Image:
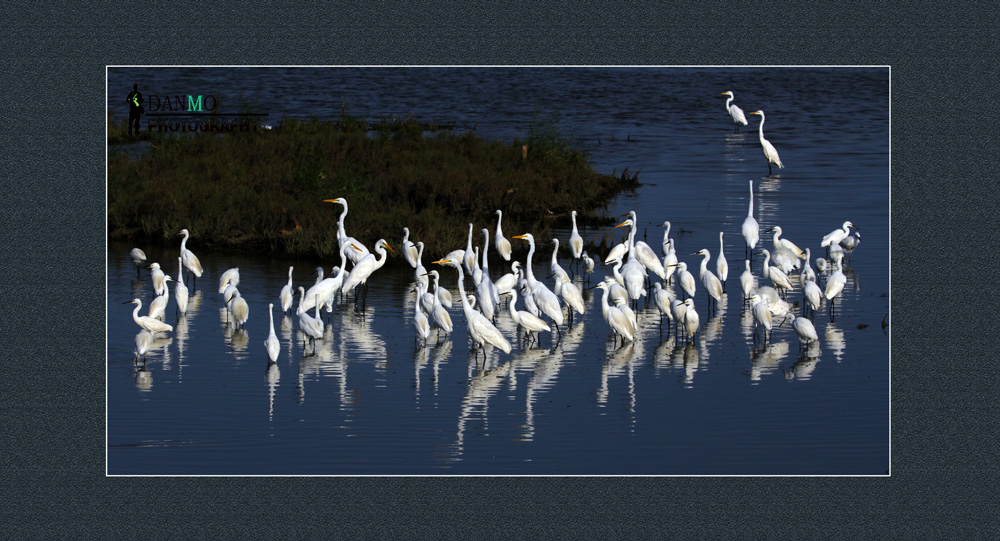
<point>264,191</point>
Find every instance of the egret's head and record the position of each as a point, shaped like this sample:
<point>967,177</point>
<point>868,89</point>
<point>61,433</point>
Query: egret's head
<point>626,222</point>
<point>184,232</point>
<point>339,200</point>
<point>727,93</point>
<point>699,252</point>
<point>757,113</point>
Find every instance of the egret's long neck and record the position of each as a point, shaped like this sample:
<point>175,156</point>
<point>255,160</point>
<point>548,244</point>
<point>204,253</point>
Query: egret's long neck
<point>420,256</point>
<point>180,273</point>
<point>617,271</point>
<point>555,250</point>
<point>529,274</point>
<point>184,243</point>
<point>750,211</point>
<point>573,216</point>
<point>704,262</point>
<point>461,293</point>
<point>721,245</point>
<point>760,129</point>
<point>486,246</point>
<point>604,302</point>
<point>499,219</point>
<point>730,100</point>
<point>631,242</point>
<point>383,255</point>
<point>135,313</point>
<point>341,232</point>
<point>290,275</point>
<point>302,296</point>
<point>270,315</point>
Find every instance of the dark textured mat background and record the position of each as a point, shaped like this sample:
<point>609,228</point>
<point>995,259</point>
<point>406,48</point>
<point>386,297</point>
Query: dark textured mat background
<point>944,385</point>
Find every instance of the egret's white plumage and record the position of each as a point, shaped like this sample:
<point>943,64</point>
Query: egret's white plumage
<point>777,277</point>
<point>529,321</point>
<point>554,265</point>
<point>807,274</point>
<point>761,314</point>
<point>285,296</point>
<point>570,294</point>
<point>669,258</point>
<point>678,308</point>
<point>821,265</point>
<point>272,345</point>
<point>685,279</point>
<point>709,281</point>
<point>804,328</point>
<point>633,323</point>
<point>190,260</point>
<point>617,252</point>
<point>343,239</point>
<point>721,265</point>
<point>662,298</point>
<point>739,119</point>
<point>307,324</point>
<point>181,290</point>
<point>770,153</point>
<point>588,264</point>
<point>231,276</point>
<point>409,249</point>
<point>785,243</point>
<point>751,230</point>
<point>420,323</point>
<point>138,258</point>
<point>156,274</point>
<point>837,235</point>
<point>419,272</point>
<point>544,298</point>
<point>480,328</point>
<point>240,310</point>
<point>691,319</point>
<point>159,304</point>
<point>501,243</point>
<point>146,322</point>
<point>812,294</point>
<point>143,341</point>
<point>835,284</point>
<point>613,315</point>
<point>508,281</point>
<point>633,272</point>
<point>440,316</point>
<point>575,240</point>
<point>746,280</point>
<point>494,294</point>
<point>368,265</point>
<point>469,261</point>
<point>643,253</point>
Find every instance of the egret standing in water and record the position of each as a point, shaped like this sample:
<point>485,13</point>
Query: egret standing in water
<point>240,309</point>
<point>691,320</point>
<point>761,315</point>
<point>286,293</point>
<point>735,112</point>
<point>544,298</point>
<point>575,241</point>
<point>721,265</point>
<point>420,320</point>
<point>146,322</point>
<point>614,316</point>
<point>480,329</point>
<point>501,242</point>
<point>588,266</point>
<point>364,268</point>
<point>138,257</point>
<point>837,235</point>
<point>181,290</point>
<point>835,285</point>
<point>156,274</point>
<point>770,153</point>
<point>804,329</point>
<point>143,341</point>
<point>230,277</point>
<point>746,281</point>
<point>159,304</point>
<point>751,230</point>
<point>342,239</point>
<point>271,344</point>
<point>711,283</point>
<point>530,322</point>
<point>190,260</point>
<point>409,249</point>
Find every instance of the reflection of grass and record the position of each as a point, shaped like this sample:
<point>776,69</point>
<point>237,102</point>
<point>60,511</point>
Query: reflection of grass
<point>264,191</point>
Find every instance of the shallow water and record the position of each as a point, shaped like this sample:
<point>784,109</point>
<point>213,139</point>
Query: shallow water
<point>369,401</point>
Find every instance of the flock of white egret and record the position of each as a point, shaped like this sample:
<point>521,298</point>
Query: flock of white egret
<point>633,264</point>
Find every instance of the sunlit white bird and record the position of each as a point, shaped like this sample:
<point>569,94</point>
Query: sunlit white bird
<point>190,260</point>
<point>770,153</point>
<point>440,316</point>
<point>709,281</point>
<point>469,261</point>
<point>570,294</point>
<point>807,274</point>
<point>685,279</point>
<point>633,323</point>
<point>812,294</point>
<point>691,320</point>
<point>588,264</point>
<point>230,277</point>
<point>761,315</point>
<point>615,318</point>
<point>837,235</point>
<point>508,281</point>
<point>420,273</point>
<point>669,259</point>
<point>138,258</point>
<point>778,278</point>
<point>575,240</point>
<point>721,265</point>
<point>501,242</point>
<point>307,324</point>
<point>156,274</point>
<point>146,322</point>
<point>143,341</point>
<point>678,308</point>
<point>751,230</point>
<point>662,298</point>
<point>181,290</point>
<point>480,328</point>
<point>159,304</point>
<point>494,294</point>
<point>544,298</point>
<point>368,265</point>
<point>343,239</point>
<point>272,345</point>
<point>554,266</point>
<point>746,281</point>
<point>530,322</point>
<point>643,253</point>
<point>633,272</point>
<point>285,296</point>
<point>409,249</point>
<point>734,112</point>
<point>835,284</point>
<point>785,243</point>
<point>804,329</point>
<point>240,310</point>
<point>420,323</point>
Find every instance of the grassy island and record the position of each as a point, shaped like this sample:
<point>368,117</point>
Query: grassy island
<point>263,190</point>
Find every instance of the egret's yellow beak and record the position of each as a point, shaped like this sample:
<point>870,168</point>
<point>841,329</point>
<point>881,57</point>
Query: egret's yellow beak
<point>355,246</point>
<point>441,261</point>
<point>621,224</point>
<point>337,200</point>
<point>389,247</point>
<point>519,236</point>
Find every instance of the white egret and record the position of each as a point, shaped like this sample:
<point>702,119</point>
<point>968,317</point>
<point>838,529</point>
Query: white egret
<point>616,289</point>
<point>425,298</point>
<point>484,297</point>
<point>501,243</point>
<point>529,321</point>
<point>146,322</point>
<point>807,274</point>
<point>554,265</point>
<point>420,320</point>
<point>775,304</point>
<point>643,253</point>
<point>286,293</point>
<point>837,235</point>
<point>778,278</point>
<point>364,268</point>
<point>529,300</point>
<point>181,290</point>
<point>710,282</point>
<point>143,341</point>
<point>734,112</point>
<point>617,252</point>
<point>409,249</point>
<point>850,242</point>
<point>157,276</point>
<point>746,281</point>
<point>420,273</point>
<point>685,279</point>
<point>812,294</point>
<point>227,296</point>
<point>190,260</point>
<point>835,284</point>
<point>669,259</point>
<point>309,326</point>
<point>272,345</point>
<point>678,308</point>
<point>805,329</point>
<point>138,258</point>
<point>494,294</point>
<point>230,277</point>
<point>480,328</point>
<point>785,243</point>
<point>821,265</point>
<point>691,320</point>
<point>324,290</point>
<point>469,260</point>
<point>633,323</point>
<point>477,271</point>
<point>342,239</point>
<point>751,230</point>
<point>613,315</point>
<point>588,264</point>
<point>770,153</point>
<point>508,281</point>
<point>159,304</point>
<point>544,298</point>
<point>662,298</point>
<point>761,315</point>
<point>440,316</point>
<point>240,310</point>
<point>570,294</point>
<point>575,240</point>
<point>721,265</point>
<point>633,272</point>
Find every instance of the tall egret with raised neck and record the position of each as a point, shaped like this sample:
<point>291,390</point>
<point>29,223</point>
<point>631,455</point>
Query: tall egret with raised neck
<point>691,320</point>
<point>469,260</point>
<point>711,282</point>
<point>554,265</point>
<point>761,315</point>
<point>837,235</point>
<point>190,260</point>
<point>181,290</point>
<point>751,230</point>
<point>721,265</point>
<point>286,293</point>
<point>311,328</point>
<point>777,277</point>
<point>159,304</point>
<point>770,153</point>
<point>342,237</point>
<point>643,253</point>
<point>575,240</point>
<point>544,298</point>
<point>804,329</point>
<point>480,328</point>
<point>138,258</point>
<point>272,345</point>
<point>409,249</point>
<point>420,323</point>
<point>615,318</point>
<point>146,322</point>
<point>633,272</point>
<point>739,119</point>
<point>364,268</point>
<point>440,316</point>
<point>530,322</point>
<point>501,242</point>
